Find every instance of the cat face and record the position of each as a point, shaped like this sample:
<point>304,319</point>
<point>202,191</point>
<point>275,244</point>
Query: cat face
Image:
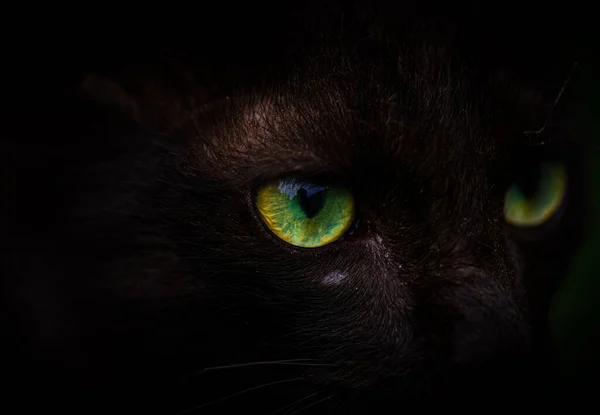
<point>401,263</point>
<point>427,288</point>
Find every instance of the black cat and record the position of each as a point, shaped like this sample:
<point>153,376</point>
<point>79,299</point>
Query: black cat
<point>334,210</point>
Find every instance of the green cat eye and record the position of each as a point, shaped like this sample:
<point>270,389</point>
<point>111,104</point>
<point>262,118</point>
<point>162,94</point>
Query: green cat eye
<point>303,213</point>
<point>537,201</point>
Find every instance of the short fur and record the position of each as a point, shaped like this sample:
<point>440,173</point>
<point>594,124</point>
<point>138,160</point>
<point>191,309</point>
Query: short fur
<point>135,258</point>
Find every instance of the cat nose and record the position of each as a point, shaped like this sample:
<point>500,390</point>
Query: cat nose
<point>489,339</point>
<point>490,329</point>
<point>478,319</point>
<point>486,353</point>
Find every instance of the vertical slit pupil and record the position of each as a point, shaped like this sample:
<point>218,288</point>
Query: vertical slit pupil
<point>530,183</point>
<point>310,204</point>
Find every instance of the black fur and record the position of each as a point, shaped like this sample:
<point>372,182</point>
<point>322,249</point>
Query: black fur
<point>135,259</point>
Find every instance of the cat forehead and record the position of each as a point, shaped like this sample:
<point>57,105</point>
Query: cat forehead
<point>413,106</point>
<point>333,123</point>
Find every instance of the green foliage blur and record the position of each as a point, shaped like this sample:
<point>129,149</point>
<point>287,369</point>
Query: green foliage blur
<point>575,315</point>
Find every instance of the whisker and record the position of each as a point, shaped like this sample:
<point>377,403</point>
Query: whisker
<point>253,388</point>
<point>291,405</point>
<point>292,362</point>
<point>312,404</point>
<point>541,131</point>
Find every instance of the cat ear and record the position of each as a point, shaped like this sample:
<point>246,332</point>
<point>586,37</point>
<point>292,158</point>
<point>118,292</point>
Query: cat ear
<point>110,94</point>
<point>141,101</point>
<point>158,104</point>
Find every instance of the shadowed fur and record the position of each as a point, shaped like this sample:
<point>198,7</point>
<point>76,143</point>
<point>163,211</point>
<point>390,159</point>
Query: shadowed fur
<point>148,262</point>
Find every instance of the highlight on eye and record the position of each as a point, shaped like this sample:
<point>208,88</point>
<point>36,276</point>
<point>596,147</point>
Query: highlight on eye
<point>537,199</point>
<point>305,213</point>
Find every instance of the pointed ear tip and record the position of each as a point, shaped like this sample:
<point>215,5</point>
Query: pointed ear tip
<point>107,92</point>
<point>95,86</point>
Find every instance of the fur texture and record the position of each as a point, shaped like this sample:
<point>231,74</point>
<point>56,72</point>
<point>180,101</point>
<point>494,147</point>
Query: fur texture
<point>135,258</point>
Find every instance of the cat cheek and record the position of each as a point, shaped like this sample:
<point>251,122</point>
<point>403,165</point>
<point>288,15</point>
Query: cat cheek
<point>335,277</point>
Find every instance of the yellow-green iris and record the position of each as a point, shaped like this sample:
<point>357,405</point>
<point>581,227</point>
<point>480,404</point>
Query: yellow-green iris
<point>535,207</point>
<point>305,214</point>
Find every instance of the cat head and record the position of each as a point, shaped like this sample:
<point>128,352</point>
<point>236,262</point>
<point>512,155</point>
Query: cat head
<point>366,208</point>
